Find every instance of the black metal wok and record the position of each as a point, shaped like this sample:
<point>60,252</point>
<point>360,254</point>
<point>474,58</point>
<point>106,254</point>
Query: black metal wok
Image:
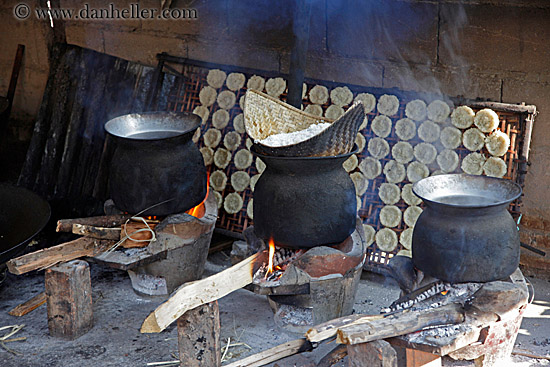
<point>22,215</point>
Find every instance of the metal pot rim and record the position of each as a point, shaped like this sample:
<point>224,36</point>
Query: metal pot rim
<point>514,189</point>
<point>254,151</point>
<point>180,123</point>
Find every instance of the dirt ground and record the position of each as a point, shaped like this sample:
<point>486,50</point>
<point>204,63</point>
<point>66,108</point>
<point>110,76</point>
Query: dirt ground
<point>246,323</point>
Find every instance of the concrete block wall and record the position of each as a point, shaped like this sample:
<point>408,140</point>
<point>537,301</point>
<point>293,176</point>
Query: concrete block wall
<point>494,49</point>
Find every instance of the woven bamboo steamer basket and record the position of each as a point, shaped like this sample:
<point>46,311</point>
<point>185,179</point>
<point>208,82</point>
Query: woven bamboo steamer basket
<point>265,116</point>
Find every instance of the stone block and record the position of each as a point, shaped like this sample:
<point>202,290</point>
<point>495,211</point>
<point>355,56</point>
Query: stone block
<point>233,53</point>
<point>383,30</point>
<point>89,36</point>
<point>495,37</point>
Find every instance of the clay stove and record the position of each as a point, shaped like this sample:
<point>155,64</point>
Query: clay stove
<point>310,286</point>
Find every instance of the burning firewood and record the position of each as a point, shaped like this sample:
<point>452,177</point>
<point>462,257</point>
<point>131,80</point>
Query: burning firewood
<point>66,225</point>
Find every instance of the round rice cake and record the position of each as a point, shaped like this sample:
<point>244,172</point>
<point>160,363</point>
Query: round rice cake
<point>233,203</point>
<point>197,135</point>
<point>220,119</point>
<point>242,101</point>
<point>215,78</point>
<point>405,129</point>
<point>243,159</point>
<point>378,148</point>
<point>212,137</point>
<point>405,238</point>
<point>390,216</point>
<point>364,123</point>
<point>416,110</point>
<point>463,117</point>
<point>248,143</point>
<point>370,167</point>
<point>202,112</point>
<point>240,180</point>
<point>235,81</point>
<point>417,171</point>
<point>497,143</point>
<point>253,181</point>
<point>429,131</point>
<point>408,195</point>
<point>222,157</point>
<point>226,100</point>
<point>472,164</point>
<point>473,139</point>
<point>351,163</point>
<point>238,123</point>
<point>369,234</point>
<point>360,141</point>
<point>368,100</point>
<point>250,209</point>
<point>314,109</point>
<point>402,152</point>
<point>381,126</point>
<point>388,104</point>
<point>232,140</point>
<point>451,137</point>
<point>341,96</point>
<point>386,239</point>
<point>219,199</point>
<point>207,155</point>
<point>207,96</point>
<point>256,82</point>
<point>495,167</point>
<point>394,171</point>
<point>411,215</point>
<point>389,193</point>
<point>260,165</point>
<point>438,111</point>
<point>360,181</point>
<point>275,87</point>
<point>318,94</point>
<point>425,153</point>
<point>218,180</point>
<point>438,172</point>
<point>334,112</point>
<point>359,203</point>
<point>486,120</point>
<point>447,161</point>
<point>404,253</point>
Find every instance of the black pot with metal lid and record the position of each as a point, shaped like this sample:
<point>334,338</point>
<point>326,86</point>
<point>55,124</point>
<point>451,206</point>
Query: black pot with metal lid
<point>156,168</point>
<point>303,202</point>
<point>466,233</point>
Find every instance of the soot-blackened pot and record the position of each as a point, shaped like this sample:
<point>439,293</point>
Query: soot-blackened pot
<point>465,233</point>
<point>156,166</point>
<point>303,202</point>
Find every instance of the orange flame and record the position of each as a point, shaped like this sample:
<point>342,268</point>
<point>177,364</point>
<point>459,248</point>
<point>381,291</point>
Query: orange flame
<point>271,255</point>
<point>444,292</point>
<point>198,211</point>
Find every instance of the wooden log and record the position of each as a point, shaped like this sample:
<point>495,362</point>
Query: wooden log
<point>274,354</point>
<point>136,231</point>
<point>30,305</point>
<point>400,324</point>
<point>66,225</point>
<point>97,232</point>
<point>194,294</point>
<point>328,329</point>
<point>378,353</point>
<point>199,336</point>
<point>67,251</point>
<point>69,299</point>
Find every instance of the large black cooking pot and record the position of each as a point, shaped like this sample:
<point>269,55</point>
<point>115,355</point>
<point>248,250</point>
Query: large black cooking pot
<point>303,202</point>
<point>22,215</point>
<point>156,166</point>
<point>465,233</point>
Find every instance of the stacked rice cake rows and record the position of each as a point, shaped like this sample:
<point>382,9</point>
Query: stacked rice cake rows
<point>407,141</point>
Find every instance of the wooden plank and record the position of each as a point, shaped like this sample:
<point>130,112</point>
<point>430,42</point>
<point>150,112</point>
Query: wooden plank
<point>127,260</point>
<point>377,353</point>
<point>273,354</point>
<point>97,232</point>
<point>199,336</point>
<point>66,225</point>
<point>418,358</point>
<point>328,329</point>
<point>400,324</point>
<point>30,305</point>
<point>69,299</point>
<point>67,251</point>
<point>194,294</point>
